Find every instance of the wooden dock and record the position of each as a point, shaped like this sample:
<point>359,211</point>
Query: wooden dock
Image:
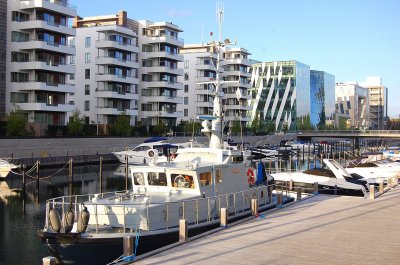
<point>319,230</point>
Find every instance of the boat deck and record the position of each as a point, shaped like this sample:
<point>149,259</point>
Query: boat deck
<point>319,230</point>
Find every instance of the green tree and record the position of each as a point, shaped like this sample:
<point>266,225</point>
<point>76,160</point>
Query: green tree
<point>255,124</point>
<point>270,127</point>
<point>16,123</point>
<point>75,124</point>
<point>236,128</point>
<point>122,126</point>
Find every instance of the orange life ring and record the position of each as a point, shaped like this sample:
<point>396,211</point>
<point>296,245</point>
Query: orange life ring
<point>250,176</point>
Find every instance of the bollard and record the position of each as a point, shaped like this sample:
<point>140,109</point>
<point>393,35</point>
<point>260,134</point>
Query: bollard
<point>49,260</point>
<point>224,217</point>
<point>254,207</point>
<point>394,182</point>
<point>129,245</point>
<point>298,190</point>
<point>315,188</point>
<point>388,183</point>
<point>291,185</point>
<point>183,230</point>
<point>372,192</point>
<point>279,200</point>
<point>380,187</point>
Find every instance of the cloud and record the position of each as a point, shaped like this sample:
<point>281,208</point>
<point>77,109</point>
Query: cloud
<point>179,13</point>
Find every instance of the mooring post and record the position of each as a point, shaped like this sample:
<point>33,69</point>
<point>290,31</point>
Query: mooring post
<point>183,230</point>
<point>291,184</point>
<point>315,188</point>
<point>37,177</point>
<point>49,261</point>
<point>129,245</point>
<point>101,174</point>
<point>279,199</point>
<point>298,191</point>
<point>372,191</point>
<point>126,172</point>
<point>23,180</point>
<point>224,217</point>
<point>254,207</point>
<point>380,187</point>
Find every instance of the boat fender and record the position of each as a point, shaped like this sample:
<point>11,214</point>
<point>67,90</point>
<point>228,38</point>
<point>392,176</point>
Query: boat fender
<point>250,177</point>
<point>83,219</point>
<point>69,218</point>
<point>54,220</point>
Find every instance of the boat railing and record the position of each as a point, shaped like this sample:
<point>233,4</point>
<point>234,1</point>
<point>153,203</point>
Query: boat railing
<point>122,216</point>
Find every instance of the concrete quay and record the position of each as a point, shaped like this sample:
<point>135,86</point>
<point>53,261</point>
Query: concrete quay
<point>319,230</point>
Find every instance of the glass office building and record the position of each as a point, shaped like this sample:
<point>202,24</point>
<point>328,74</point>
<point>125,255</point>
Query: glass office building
<point>322,92</point>
<point>281,96</point>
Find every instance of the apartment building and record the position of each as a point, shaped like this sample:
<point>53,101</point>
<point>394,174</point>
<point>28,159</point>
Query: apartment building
<point>3,34</point>
<point>378,102</point>
<point>159,45</point>
<point>37,65</point>
<point>353,100</point>
<point>107,65</point>
<point>281,95</point>
<point>199,67</point>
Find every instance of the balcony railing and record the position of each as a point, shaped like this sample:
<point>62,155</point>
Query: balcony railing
<point>57,2</point>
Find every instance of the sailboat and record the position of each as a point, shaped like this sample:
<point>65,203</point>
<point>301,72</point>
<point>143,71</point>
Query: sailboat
<point>194,186</point>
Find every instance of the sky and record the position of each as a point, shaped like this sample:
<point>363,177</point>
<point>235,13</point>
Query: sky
<point>350,39</point>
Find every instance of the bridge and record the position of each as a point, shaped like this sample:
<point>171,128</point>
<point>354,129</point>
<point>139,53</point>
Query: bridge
<point>350,134</point>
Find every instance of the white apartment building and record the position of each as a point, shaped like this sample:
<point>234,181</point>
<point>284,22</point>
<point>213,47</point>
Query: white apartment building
<point>37,65</point>
<point>159,45</point>
<point>200,66</point>
<point>106,68</point>
<point>378,102</point>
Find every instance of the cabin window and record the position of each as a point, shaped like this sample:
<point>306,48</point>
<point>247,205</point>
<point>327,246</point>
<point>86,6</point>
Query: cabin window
<point>182,181</point>
<point>218,175</point>
<point>138,178</point>
<point>205,178</point>
<point>157,178</point>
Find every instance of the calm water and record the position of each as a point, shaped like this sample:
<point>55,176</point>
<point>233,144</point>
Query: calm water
<point>21,218</point>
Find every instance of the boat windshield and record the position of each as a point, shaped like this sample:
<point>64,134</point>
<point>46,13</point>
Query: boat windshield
<point>157,179</point>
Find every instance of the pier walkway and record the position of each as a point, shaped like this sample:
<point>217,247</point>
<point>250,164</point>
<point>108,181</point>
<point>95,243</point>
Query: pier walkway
<point>319,230</point>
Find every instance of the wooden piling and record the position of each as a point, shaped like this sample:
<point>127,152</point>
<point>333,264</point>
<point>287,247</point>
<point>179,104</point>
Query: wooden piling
<point>380,187</point>
<point>298,191</point>
<point>183,230</point>
<point>372,192</point>
<point>101,174</point>
<point>129,245</point>
<point>126,172</point>
<point>224,217</point>
<point>315,188</point>
<point>49,261</point>
<point>254,207</point>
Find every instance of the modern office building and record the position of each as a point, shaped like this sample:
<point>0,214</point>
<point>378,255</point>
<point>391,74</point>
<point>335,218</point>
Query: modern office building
<point>159,56</point>
<point>200,69</point>
<point>353,100</point>
<point>37,65</point>
<point>106,78</point>
<point>322,92</point>
<point>281,95</point>
<point>3,34</point>
<point>378,102</point>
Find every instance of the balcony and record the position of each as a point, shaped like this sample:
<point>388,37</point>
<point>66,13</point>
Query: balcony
<point>104,44</point>
<point>205,67</point>
<point>237,73</point>
<point>38,106</point>
<point>49,26</point>
<point>116,111</point>
<point>43,45</point>
<point>204,91</point>
<point>116,78</point>
<point>174,85</point>
<point>237,107</point>
<point>162,69</point>
<point>164,99</point>
<point>165,39</point>
<point>162,54</point>
<point>43,86</point>
<point>238,61</point>
<point>205,79</point>
<point>52,5</point>
<point>116,95</point>
<point>46,66</point>
<point>204,104</point>
<point>233,95</point>
<point>162,114</point>
<point>116,61</point>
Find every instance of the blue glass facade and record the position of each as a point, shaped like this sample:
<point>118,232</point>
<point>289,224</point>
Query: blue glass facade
<point>322,98</point>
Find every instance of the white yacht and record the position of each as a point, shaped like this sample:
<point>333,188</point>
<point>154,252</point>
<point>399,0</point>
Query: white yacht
<point>335,177</point>
<point>299,145</point>
<point>194,186</point>
<point>6,167</point>
<point>375,171</point>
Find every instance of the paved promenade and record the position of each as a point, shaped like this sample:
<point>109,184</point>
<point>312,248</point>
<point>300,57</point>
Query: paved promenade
<point>319,230</point>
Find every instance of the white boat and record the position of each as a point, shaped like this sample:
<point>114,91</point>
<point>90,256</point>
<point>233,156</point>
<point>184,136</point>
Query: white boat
<point>153,148</point>
<point>375,171</point>
<point>329,180</point>
<point>264,152</point>
<point>194,186</point>
<point>392,153</point>
<point>299,145</point>
<point>5,168</point>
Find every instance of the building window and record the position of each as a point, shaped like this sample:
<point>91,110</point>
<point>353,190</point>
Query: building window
<point>186,64</point>
<point>72,59</point>
<point>87,73</point>
<point>87,57</point>
<point>87,42</point>
<point>186,100</point>
<point>72,76</point>
<point>87,105</point>
<point>186,88</point>
<point>86,120</point>
<point>185,112</point>
<point>87,89</point>
<point>186,76</point>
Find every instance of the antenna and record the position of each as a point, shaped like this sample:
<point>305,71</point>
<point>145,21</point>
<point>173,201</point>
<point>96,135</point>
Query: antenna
<point>202,34</point>
<point>220,18</point>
